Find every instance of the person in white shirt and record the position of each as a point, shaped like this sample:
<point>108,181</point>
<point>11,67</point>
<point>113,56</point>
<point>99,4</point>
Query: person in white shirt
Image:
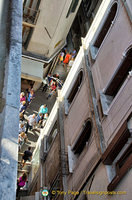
<point>31,122</point>
<point>45,84</point>
<point>22,128</point>
<point>70,64</point>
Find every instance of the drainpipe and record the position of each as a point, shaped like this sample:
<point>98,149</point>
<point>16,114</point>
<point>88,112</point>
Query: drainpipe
<point>94,100</point>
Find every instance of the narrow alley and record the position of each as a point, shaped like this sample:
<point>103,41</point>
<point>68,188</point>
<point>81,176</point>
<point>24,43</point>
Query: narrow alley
<point>39,99</point>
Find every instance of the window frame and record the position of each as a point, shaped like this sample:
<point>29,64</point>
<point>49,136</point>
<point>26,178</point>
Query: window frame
<point>94,51</point>
<point>68,104</point>
<point>82,133</point>
<point>72,157</point>
<point>108,158</point>
<point>107,98</point>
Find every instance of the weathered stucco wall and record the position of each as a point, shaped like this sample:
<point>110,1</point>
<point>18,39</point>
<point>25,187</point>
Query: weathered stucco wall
<point>80,110</point>
<point>110,55</point>
<point>56,24</point>
<point>51,166</point>
<point>10,54</point>
<point>117,40</point>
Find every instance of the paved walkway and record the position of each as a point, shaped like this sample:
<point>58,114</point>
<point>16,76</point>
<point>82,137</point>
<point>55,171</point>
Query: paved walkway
<point>40,99</point>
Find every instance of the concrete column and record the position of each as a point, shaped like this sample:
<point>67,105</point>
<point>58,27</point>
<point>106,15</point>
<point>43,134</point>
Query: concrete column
<point>10,74</point>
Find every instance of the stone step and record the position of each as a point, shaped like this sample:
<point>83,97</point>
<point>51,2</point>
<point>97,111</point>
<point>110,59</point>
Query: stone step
<point>23,170</point>
<point>27,163</point>
<point>20,153</point>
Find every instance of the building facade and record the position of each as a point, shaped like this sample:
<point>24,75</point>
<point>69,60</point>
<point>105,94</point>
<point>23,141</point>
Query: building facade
<point>84,150</point>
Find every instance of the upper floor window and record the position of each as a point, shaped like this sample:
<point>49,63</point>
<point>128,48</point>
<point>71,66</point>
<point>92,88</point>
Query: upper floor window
<point>83,138</point>
<point>108,22</point>
<point>74,91</point>
<point>72,8</point>
<point>116,81</point>
<point>76,87</point>
<point>77,148</point>
<point>118,155</point>
<point>104,30</point>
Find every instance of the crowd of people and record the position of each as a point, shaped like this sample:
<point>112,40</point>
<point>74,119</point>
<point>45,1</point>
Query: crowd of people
<point>32,122</point>
<point>51,83</point>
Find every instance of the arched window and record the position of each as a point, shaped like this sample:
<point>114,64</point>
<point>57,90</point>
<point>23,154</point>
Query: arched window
<point>120,75</point>
<point>76,87</point>
<point>104,30</point>
<point>83,138</point>
<point>108,22</point>
<point>117,80</point>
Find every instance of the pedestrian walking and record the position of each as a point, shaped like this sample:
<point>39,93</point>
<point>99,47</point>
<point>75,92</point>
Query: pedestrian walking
<point>21,139</point>
<point>26,156</point>
<point>43,109</point>
<point>45,84</point>
<point>30,96</point>
<point>66,60</point>
<point>21,182</point>
<point>23,107</point>
<point>61,57</point>
<point>22,127</point>
<point>31,122</point>
<point>52,89</point>
<point>22,97</point>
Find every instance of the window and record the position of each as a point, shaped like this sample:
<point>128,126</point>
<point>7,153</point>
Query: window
<point>72,8</point>
<point>79,145</point>
<point>83,138</point>
<point>118,155</point>
<point>106,26</point>
<point>76,87</point>
<point>116,81</point>
<point>104,30</point>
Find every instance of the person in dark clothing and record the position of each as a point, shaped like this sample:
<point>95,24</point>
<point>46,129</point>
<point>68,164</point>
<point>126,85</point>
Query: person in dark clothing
<point>23,107</point>
<point>26,156</point>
